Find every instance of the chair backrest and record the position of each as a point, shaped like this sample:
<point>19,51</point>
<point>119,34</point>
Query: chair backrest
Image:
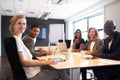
<point>13,58</point>
<point>68,42</point>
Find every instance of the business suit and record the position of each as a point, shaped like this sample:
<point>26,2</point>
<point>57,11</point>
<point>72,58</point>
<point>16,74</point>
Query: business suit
<point>110,72</point>
<point>114,51</point>
<point>30,44</point>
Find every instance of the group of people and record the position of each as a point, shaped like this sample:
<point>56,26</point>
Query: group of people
<point>108,48</point>
<point>36,69</point>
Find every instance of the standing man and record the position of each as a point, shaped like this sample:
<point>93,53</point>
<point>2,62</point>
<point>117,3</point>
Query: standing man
<point>111,50</point>
<point>30,40</point>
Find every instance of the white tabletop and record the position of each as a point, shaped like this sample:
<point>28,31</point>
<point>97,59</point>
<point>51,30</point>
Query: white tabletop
<point>75,61</point>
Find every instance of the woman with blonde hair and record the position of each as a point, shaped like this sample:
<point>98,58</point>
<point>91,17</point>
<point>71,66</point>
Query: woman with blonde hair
<point>32,67</point>
<point>94,44</point>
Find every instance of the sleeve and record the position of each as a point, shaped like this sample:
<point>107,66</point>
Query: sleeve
<point>100,45</point>
<point>114,52</point>
<point>29,43</point>
<point>19,44</point>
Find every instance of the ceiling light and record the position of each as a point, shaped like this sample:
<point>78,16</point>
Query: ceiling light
<point>8,10</point>
<point>44,15</point>
<point>21,11</point>
<point>31,12</point>
<point>59,1</point>
<point>40,14</point>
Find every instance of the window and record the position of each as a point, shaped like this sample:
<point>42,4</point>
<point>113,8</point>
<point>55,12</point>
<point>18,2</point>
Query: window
<point>97,22</point>
<point>82,25</point>
<point>95,19</point>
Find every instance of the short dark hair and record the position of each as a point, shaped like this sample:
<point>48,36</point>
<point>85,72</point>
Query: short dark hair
<point>34,26</point>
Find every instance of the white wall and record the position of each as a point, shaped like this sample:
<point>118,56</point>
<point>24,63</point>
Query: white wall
<point>56,33</point>
<point>0,34</point>
<point>112,11</point>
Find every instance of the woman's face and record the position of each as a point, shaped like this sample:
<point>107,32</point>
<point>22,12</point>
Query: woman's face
<point>91,33</point>
<point>78,34</point>
<point>20,26</point>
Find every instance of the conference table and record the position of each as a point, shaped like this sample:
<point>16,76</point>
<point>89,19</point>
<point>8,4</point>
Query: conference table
<point>74,61</point>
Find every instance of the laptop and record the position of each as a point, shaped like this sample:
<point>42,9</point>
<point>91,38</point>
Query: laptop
<point>62,46</point>
<point>68,42</point>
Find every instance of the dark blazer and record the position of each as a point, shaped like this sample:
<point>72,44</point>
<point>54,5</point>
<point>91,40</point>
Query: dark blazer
<point>114,52</point>
<point>98,45</point>
<point>29,43</point>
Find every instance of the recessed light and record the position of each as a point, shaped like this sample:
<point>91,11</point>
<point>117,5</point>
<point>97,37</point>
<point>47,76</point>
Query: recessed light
<point>21,11</point>
<point>8,10</point>
<point>31,12</point>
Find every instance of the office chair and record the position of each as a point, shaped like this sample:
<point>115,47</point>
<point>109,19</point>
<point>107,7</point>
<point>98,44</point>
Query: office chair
<point>13,58</point>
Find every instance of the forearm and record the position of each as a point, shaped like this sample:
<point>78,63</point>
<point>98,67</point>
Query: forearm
<point>115,56</point>
<point>33,63</point>
<point>74,46</point>
<point>37,53</point>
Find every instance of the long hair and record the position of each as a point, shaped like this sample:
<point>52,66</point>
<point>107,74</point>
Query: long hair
<point>78,30</point>
<point>96,37</point>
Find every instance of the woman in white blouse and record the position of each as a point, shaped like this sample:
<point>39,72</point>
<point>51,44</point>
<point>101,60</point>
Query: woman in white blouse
<point>31,67</point>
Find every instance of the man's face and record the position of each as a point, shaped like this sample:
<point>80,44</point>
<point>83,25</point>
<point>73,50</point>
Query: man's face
<point>108,28</point>
<point>34,32</point>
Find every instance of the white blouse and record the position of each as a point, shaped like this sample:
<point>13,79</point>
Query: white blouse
<point>30,71</point>
<point>91,46</point>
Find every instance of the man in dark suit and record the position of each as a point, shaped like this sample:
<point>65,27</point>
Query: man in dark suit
<point>30,40</point>
<point>111,50</point>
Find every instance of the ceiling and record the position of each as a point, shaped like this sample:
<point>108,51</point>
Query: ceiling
<point>32,8</point>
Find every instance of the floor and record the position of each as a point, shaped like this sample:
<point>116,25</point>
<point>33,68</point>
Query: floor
<point>5,71</point>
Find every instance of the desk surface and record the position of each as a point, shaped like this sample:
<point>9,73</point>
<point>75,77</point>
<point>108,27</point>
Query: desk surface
<point>75,61</point>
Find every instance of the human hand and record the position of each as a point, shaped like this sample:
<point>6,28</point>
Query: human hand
<point>41,50</point>
<point>87,52</point>
<point>49,61</point>
<point>48,52</point>
<point>96,53</point>
<point>76,40</point>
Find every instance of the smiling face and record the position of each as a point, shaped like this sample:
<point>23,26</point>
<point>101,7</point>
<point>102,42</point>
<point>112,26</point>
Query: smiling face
<point>19,26</point>
<point>78,34</point>
<point>109,27</point>
<point>34,32</point>
<point>92,33</point>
